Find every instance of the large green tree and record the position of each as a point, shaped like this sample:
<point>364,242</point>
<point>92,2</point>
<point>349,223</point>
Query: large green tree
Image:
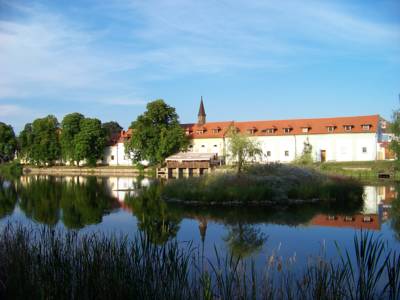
<point>156,134</point>
<point>111,130</point>
<point>90,141</point>
<point>242,149</point>
<point>395,129</point>
<point>8,142</point>
<point>25,141</point>
<point>70,127</point>
<point>43,135</point>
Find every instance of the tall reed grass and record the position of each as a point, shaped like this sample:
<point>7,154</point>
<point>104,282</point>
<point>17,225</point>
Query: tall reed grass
<point>43,263</point>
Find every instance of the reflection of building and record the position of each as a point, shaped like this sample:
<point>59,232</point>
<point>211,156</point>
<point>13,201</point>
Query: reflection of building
<point>376,210</point>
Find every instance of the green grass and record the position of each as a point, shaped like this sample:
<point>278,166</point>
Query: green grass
<point>264,183</point>
<point>43,263</point>
<point>11,169</point>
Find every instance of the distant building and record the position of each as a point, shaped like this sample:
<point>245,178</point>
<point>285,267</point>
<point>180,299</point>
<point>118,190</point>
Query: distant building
<point>359,138</point>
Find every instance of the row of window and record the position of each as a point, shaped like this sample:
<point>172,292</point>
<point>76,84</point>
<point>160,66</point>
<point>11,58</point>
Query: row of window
<point>306,129</point>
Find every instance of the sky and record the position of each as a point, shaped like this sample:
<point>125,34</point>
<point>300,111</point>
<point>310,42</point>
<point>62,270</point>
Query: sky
<point>248,59</point>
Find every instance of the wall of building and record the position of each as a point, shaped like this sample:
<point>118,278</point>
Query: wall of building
<point>337,147</point>
<point>115,156</point>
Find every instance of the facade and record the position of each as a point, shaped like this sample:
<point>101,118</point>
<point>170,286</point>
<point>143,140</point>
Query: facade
<point>331,139</point>
<point>339,139</point>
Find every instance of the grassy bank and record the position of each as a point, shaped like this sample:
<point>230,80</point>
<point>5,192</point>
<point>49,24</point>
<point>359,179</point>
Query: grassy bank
<point>11,169</point>
<point>368,170</point>
<point>273,183</point>
<point>44,263</point>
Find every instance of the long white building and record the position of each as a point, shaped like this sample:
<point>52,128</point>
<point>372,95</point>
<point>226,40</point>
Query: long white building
<point>337,139</point>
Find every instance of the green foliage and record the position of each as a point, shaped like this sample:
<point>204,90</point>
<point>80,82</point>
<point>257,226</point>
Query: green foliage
<point>8,197</point>
<point>11,169</point>
<point>395,129</point>
<point>157,134</point>
<point>242,149</point>
<point>89,142</point>
<point>45,148</point>
<point>70,127</point>
<point>25,141</point>
<point>306,157</point>
<point>8,143</point>
<point>111,129</point>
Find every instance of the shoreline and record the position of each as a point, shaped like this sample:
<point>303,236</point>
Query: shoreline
<point>71,171</point>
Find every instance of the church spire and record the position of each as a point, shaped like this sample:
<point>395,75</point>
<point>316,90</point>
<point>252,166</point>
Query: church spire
<point>202,113</point>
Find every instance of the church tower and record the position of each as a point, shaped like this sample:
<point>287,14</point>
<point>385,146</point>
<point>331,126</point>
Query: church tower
<point>202,114</point>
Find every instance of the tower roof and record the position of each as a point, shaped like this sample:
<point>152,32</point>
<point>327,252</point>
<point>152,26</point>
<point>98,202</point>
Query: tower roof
<point>202,111</point>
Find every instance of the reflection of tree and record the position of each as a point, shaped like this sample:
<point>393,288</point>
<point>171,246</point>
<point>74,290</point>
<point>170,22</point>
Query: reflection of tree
<point>243,239</point>
<point>154,216</point>
<point>39,199</point>
<point>395,217</point>
<point>8,198</point>
<point>85,203</point>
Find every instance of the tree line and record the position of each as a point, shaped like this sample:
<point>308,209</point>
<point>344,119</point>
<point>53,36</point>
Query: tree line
<point>45,141</point>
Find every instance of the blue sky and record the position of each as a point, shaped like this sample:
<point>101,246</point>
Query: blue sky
<point>250,60</point>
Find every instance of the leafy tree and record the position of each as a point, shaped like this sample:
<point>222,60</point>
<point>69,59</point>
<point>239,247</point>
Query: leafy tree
<point>306,157</point>
<point>111,130</point>
<point>395,128</point>
<point>242,149</point>
<point>45,147</point>
<point>8,197</point>
<point>25,141</point>
<point>70,127</point>
<point>90,141</point>
<point>8,142</point>
<point>156,134</point>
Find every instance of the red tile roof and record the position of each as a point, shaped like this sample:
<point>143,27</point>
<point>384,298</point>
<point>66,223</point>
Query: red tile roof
<point>315,126</point>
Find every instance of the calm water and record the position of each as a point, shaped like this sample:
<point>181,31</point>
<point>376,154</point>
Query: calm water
<point>110,204</point>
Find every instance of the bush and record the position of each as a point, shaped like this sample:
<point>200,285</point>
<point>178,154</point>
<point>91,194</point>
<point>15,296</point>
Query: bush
<point>11,169</point>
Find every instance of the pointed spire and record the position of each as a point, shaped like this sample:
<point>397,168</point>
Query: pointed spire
<point>202,113</point>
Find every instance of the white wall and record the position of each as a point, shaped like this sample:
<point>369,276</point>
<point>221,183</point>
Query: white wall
<point>338,147</point>
<point>116,156</point>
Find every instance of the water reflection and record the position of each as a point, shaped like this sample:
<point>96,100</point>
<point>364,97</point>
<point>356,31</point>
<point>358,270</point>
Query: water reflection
<point>77,201</point>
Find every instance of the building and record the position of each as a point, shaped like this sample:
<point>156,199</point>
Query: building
<point>359,138</point>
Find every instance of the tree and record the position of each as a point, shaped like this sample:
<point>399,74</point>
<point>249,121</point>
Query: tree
<point>70,127</point>
<point>306,157</point>
<point>395,128</point>
<point>242,149</point>
<point>45,147</point>
<point>89,142</point>
<point>111,130</point>
<point>156,134</point>
<point>25,141</point>
<point>243,239</point>
<point>8,143</point>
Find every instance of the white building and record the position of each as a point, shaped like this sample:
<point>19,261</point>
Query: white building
<point>337,139</point>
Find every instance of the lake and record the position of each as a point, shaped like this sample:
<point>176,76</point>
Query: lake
<point>111,205</point>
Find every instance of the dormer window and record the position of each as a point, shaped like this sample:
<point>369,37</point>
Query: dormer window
<point>305,129</point>
<point>331,128</point>
<point>366,127</point>
<point>216,130</point>
<point>200,131</point>
<point>287,130</point>
<point>348,127</point>
<point>269,130</point>
<point>188,131</point>
<point>251,130</point>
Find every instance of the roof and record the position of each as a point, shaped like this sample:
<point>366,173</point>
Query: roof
<point>296,126</point>
<point>121,137</point>
<point>202,111</point>
<point>191,156</point>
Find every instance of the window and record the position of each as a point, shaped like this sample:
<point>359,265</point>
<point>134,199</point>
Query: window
<point>268,153</point>
<point>286,153</point>
<point>215,146</point>
<point>366,127</point>
<point>216,130</point>
<point>364,149</point>
<point>331,128</point>
<point>190,146</point>
<point>203,146</point>
<point>112,157</point>
<point>348,127</point>
<point>305,129</point>
<point>269,130</point>
<point>287,130</point>
<point>200,131</point>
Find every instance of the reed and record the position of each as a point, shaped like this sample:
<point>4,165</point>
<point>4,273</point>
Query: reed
<point>45,263</point>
